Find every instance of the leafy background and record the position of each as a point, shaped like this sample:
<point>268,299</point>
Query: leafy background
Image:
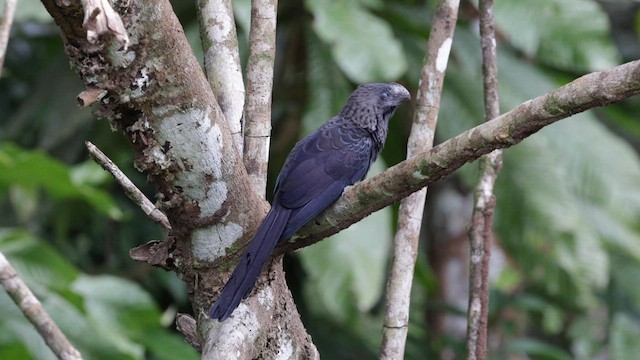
<point>566,267</point>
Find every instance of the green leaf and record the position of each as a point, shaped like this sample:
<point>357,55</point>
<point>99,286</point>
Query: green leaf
<point>117,304</point>
<point>37,263</point>
<point>104,316</point>
<point>363,45</point>
<point>33,170</point>
<point>625,333</point>
<point>537,349</point>
<point>586,333</point>
<point>328,88</point>
<point>347,271</point>
<point>129,318</point>
<point>569,34</point>
<point>167,346</point>
<point>577,186</point>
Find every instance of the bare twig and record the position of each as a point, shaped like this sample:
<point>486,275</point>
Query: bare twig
<point>587,92</point>
<point>130,189</point>
<point>35,313</point>
<point>5,28</point>
<point>480,231</point>
<point>262,49</point>
<point>222,62</point>
<point>396,321</point>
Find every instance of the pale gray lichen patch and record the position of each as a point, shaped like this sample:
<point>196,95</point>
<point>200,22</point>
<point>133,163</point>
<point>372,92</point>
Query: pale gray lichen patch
<point>201,176</point>
<point>230,339</point>
<point>211,243</point>
<point>265,296</point>
<point>217,193</point>
<point>419,175</point>
<point>285,348</point>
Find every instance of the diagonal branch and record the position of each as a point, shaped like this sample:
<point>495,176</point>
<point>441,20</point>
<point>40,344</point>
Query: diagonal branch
<point>405,245</point>
<point>35,313</point>
<point>587,92</point>
<point>129,187</point>
<point>5,28</point>
<point>480,231</point>
<point>262,52</point>
<point>222,61</point>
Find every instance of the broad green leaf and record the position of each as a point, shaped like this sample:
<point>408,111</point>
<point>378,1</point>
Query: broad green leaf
<point>586,332</point>
<point>37,262</point>
<point>85,333</point>
<point>363,45</point>
<point>626,277</point>
<point>346,271</point>
<point>104,316</point>
<point>167,346</point>
<point>578,184</point>
<point>117,304</point>
<point>329,89</point>
<point>569,34</point>
<point>625,333</point>
<point>129,318</point>
<point>538,349</point>
<point>566,196</point>
<point>35,170</point>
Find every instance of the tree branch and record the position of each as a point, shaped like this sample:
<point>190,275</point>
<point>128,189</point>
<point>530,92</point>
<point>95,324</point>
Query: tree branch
<point>222,62</point>
<point>480,232</point>
<point>35,313</point>
<point>5,28</point>
<point>262,51</point>
<point>130,189</point>
<point>587,92</point>
<point>405,249</point>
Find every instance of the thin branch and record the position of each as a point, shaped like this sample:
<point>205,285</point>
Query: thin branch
<point>480,232</point>
<point>35,313</point>
<point>5,28</point>
<point>587,92</point>
<point>222,61</point>
<point>262,50</point>
<point>130,189</point>
<point>405,250</point>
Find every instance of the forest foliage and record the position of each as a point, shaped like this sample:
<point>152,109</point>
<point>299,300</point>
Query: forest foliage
<point>568,198</point>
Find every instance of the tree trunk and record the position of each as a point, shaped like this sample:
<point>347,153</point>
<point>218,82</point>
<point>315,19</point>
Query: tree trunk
<point>159,97</point>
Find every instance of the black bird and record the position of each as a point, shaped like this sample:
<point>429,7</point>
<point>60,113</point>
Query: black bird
<point>317,170</point>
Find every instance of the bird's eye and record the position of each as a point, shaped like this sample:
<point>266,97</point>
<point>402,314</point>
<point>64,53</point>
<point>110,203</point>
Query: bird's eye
<point>385,95</point>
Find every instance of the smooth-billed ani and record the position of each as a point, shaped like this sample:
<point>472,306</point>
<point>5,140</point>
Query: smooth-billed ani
<point>317,170</point>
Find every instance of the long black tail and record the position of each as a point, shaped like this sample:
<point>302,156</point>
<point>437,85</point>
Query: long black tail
<point>248,269</point>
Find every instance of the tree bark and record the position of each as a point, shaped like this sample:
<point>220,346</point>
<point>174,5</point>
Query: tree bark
<point>481,228</point>
<point>222,62</point>
<point>159,97</point>
<point>405,244</point>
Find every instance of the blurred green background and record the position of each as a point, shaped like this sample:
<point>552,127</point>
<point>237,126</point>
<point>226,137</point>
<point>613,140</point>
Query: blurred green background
<point>566,268</point>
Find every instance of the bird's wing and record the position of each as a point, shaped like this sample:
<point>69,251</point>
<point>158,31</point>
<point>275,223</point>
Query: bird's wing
<point>330,155</point>
<point>318,170</point>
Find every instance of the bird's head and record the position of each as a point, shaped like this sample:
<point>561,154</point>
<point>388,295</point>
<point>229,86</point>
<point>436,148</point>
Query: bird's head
<point>372,105</point>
